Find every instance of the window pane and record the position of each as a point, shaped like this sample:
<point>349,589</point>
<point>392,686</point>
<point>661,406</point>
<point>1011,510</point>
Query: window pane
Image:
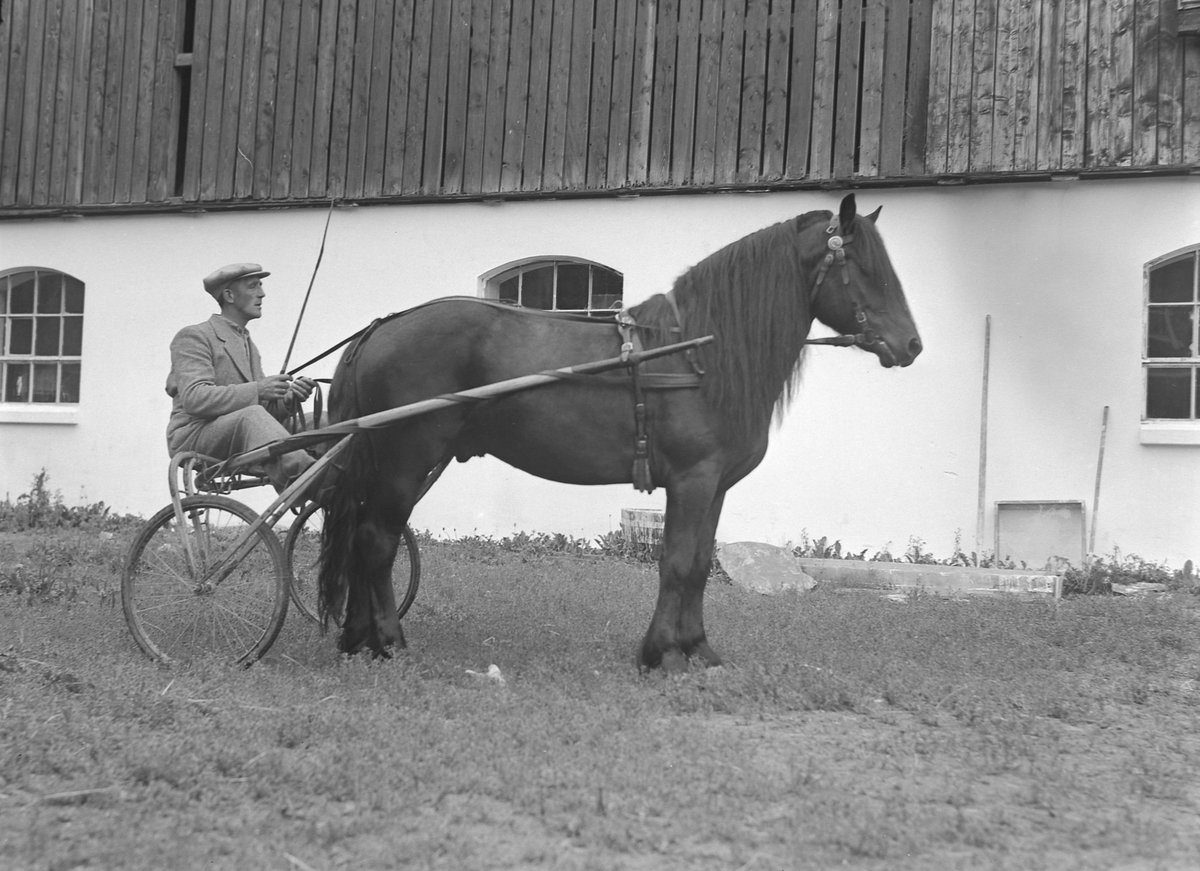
<point>16,382</point>
<point>510,290</point>
<point>1169,331</point>
<point>1168,393</point>
<point>1174,282</point>
<point>74,294</point>
<point>607,288</point>
<point>49,293</point>
<point>72,337</point>
<point>20,300</point>
<point>45,382</point>
<point>537,288</point>
<point>572,286</point>
<point>21,336</point>
<point>3,294</point>
<point>69,392</point>
<point>46,339</point>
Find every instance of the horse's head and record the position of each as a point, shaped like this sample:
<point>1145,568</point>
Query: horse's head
<point>855,290</point>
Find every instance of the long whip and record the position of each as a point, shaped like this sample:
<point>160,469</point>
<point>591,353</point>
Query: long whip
<point>304,305</point>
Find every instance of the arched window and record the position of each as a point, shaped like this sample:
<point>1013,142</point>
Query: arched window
<point>41,336</point>
<point>557,284</point>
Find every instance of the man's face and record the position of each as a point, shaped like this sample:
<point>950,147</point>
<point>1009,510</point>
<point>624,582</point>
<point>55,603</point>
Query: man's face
<point>245,298</point>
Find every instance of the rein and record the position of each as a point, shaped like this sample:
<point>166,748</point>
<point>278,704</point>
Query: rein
<point>837,254</point>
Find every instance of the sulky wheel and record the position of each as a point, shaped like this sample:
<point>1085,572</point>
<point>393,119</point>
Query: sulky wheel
<point>186,597</point>
<point>302,550</point>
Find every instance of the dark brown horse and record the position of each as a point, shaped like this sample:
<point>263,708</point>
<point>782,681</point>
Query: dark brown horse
<point>757,297</point>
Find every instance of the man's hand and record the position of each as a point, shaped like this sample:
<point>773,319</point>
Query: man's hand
<point>299,391</point>
<point>275,387</point>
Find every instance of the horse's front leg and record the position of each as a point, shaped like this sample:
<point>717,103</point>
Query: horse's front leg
<point>676,630</point>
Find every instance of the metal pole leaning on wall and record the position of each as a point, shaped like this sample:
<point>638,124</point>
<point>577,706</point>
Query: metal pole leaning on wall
<point>1096,494</point>
<point>983,426</point>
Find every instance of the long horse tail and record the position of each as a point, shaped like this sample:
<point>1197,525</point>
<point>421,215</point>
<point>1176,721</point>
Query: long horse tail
<point>341,499</point>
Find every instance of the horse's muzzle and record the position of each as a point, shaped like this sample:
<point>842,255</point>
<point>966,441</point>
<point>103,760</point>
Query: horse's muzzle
<point>889,358</point>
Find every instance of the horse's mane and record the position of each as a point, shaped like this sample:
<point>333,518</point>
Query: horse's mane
<point>753,297</point>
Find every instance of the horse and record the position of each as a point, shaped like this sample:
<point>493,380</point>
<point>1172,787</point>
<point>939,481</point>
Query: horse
<point>757,297</point>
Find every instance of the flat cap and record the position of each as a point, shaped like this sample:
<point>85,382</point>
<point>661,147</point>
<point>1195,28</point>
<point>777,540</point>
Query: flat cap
<point>219,280</point>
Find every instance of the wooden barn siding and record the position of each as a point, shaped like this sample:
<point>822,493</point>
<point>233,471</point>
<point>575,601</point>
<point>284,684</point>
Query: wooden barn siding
<point>308,99</point>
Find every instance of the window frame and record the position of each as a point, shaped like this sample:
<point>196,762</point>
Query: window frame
<point>1167,430</point>
<point>29,410</point>
<point>490,283</point>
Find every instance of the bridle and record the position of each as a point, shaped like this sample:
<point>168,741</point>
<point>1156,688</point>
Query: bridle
<point>836,243</point>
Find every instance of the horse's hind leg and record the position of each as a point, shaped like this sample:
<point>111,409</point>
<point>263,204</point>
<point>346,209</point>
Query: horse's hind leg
<point>371,621</point>
<point>676,630</point>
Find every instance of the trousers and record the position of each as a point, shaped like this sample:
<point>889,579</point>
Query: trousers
<point>244,430</point>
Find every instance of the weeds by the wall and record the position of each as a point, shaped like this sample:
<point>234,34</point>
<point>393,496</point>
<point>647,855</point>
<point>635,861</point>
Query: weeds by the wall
<point>42,508</point>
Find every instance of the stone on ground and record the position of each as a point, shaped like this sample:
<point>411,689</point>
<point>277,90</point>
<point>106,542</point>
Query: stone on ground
<point>763,568</point>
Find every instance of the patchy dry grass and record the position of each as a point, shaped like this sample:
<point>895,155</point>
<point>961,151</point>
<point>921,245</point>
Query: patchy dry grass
<point>847,730</point>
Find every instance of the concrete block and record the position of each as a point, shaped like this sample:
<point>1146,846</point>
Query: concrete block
<point>943,580</point>
<point>763,568</point>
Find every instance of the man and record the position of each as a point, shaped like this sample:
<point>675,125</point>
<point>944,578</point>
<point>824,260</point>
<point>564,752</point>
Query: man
<point>223,403</point>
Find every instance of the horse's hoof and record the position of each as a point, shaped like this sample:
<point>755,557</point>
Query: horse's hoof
<point>674,662</point>
<point>706,655</point>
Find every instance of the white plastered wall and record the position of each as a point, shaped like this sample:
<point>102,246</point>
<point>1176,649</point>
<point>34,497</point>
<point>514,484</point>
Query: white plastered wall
<point>867,456</point>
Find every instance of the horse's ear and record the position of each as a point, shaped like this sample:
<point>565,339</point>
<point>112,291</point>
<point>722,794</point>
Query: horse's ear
<point>846,213</point>
<point>874,216</point>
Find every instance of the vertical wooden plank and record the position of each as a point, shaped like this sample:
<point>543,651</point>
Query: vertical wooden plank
<point>435,112</point>
<point>76,137</point>
<point>621,95</point>
<point>377,111</point>
<point>228,124</point>
<point>285,101</point>
<point>267,106</point>
<point>6,43</point>
<point>1189,110</point>
<point>641,102</point>
<point>870,133</point>
<point>1169,84</point>
<point>729,93</point>
<point>127,115</point>
<point>343,86</point>
<point>602,72</point>
<point>919,92</point>
<point>754,92</point>
<point>540,51</point>
<point>493,132</point>
<point>1074,84</point>
<point>63,89</point>
<point>558,92</point>
<point>360,98</point>
<point>32,105</point>
<point>579,96</point>
<point>517,95</point>
<point>1099,104</point>
<point>93,126</point>
<point>1027,96</point>
<point>318,177</point>
<point>895,97</point>
<point>214,100</point>
<point>1122,48</point>
<point>707,83</point>
<point>802,99</point>
<point>458,90</point>
<point>307,63</point>
<point>43,155</point>
<point>481,30</point>
<point>1006,78</point>
<point>144,121</point>
<point>1144,45</point>
<point>983,87</point>
<point>962,107</point>
<point>397,135</point>
<point>775,108</point>
<point>825,83</point>
<point>666,35</point>
<point>849,65</point>
<point>244,153</point>
<point>687,71</point>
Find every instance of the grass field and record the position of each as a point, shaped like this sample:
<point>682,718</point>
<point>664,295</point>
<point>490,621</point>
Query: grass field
<point>847,730</point>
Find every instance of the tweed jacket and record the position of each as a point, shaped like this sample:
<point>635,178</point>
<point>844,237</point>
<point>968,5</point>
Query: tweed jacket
<point>212,375</point>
